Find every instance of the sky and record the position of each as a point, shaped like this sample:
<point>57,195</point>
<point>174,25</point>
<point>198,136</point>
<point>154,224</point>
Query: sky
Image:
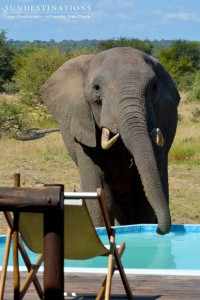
<point>100,19</point>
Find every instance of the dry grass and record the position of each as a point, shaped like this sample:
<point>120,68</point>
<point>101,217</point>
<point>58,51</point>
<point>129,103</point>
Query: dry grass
<point>184,184</point>
<point>186,146</point>
<point>39,162</point>
<point>9,98</point>
<point>47,161</point>
<point>184,166</point>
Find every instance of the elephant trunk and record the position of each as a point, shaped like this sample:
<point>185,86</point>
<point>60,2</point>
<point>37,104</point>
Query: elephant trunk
<point>134,133</point>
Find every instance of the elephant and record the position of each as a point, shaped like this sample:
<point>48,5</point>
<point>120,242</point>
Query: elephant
<point>117,112</point>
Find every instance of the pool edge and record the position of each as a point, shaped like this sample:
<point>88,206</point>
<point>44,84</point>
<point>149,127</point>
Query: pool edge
<point>156,272</point>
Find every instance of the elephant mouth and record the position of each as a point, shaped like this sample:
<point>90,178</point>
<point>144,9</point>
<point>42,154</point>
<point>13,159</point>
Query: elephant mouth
<point>107,142</point>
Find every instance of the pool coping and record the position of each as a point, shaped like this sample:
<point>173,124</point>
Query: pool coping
<point>160,272</point>
<point>136,229</point>
<point>151,228</point>
<point>140,228</point>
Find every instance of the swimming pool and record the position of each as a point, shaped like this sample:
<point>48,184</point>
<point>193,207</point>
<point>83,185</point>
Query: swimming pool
<point>146,252</point>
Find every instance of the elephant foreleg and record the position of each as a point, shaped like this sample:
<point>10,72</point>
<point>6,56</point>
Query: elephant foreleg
<point>92,177</point>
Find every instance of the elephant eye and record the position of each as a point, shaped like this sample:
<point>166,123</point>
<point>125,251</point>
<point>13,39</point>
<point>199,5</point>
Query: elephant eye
<point>97,94</point>
<point>97,87</point>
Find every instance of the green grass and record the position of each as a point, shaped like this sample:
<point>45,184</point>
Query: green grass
<point>182,153</point>
<point>186,146</point>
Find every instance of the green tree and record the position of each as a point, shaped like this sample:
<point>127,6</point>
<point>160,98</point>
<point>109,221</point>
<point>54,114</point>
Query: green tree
<point>181,60</point>
<point>145,46</point>
<point>194,92</point>
<point>6,56</point>
<point>34,68</point>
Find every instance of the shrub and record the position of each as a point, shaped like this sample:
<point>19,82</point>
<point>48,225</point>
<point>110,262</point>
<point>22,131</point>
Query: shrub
<point>194,93</point>
<point>13,118</point>
<point>10,87</point>
<point>6,56</point>
<point>35,69</point>
<point>145,46</point>
<point>181,59</point>
<point>186,81</point>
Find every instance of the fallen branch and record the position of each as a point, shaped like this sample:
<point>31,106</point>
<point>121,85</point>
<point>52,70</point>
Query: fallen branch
<point>35,133</point>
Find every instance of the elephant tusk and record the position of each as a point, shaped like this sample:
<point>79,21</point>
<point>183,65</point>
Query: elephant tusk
<point>106,143</point>
<point>157,137</point>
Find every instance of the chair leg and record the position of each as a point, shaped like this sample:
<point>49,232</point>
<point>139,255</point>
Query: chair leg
<point>106,285</point>
<point>123,275</point>
<point>29,268</point>
<point>16,276</point>
<point>5,263</point>
<point>25,257</point>
<point>110,266</point>
<point>103,286</point>
<point>30,278</point>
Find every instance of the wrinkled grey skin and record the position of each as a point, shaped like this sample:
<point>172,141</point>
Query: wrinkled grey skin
<point>130,93</point>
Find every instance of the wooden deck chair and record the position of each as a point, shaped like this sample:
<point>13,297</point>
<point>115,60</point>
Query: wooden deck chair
<point>81,239</point>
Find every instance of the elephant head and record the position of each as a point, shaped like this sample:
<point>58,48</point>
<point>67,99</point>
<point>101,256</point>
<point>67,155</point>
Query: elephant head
<point>127,94</point>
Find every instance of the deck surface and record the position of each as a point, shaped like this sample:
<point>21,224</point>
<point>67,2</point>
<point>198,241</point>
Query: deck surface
<point>144,287</point>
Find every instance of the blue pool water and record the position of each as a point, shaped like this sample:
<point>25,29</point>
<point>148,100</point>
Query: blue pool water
<point>179,250</point>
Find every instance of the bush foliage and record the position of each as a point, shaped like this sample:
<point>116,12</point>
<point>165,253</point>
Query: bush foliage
<point>6,57</point>
<point>13,118</point>
<point>34,65</point>
<point>145,46</point>
<point>182,60</point>
<point>25,66</point>
<point>36,68</point>
<point>194,93</point>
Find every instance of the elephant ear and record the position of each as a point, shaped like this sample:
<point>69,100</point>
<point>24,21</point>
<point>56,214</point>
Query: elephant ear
<point>166,103</point>
<point>64,98</point>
